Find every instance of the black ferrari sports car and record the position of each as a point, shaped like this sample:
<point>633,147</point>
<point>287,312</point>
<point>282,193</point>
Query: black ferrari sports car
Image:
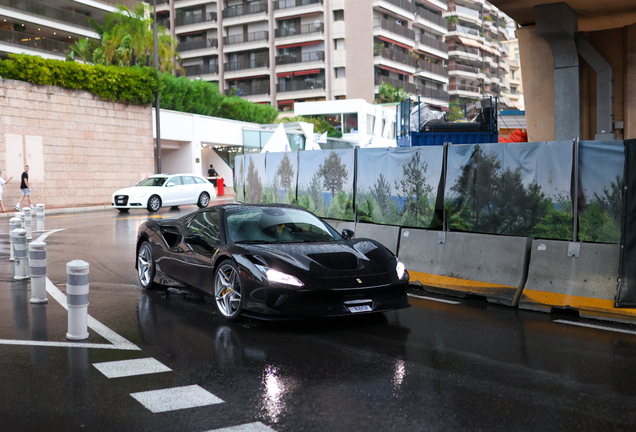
<point>271,261</point>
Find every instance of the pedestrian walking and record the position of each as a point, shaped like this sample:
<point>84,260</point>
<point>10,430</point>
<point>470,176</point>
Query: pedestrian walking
<point>25,188</point>
<point>2,183</point>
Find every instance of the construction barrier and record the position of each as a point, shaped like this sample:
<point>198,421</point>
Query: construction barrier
<point>462,264</point>
<point>386,234</point>
<point>558,278</point>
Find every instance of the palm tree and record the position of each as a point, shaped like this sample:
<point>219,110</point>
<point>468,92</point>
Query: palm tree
<point>83,49</point>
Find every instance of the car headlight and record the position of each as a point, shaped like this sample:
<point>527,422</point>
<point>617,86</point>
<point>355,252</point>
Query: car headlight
<point>280,277</point>
<point>400,269</point>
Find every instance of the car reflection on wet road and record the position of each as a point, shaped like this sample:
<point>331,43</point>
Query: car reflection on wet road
<point>458,365</point>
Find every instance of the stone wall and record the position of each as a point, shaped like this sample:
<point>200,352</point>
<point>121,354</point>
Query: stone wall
<point>89,147</point>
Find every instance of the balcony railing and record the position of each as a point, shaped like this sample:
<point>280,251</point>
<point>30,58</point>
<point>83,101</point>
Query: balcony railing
<point>302,58</point>
<point>285,4</point>
<point>430,16</point>
<point>458,87</point>
<point>396,83</point>
<point>426,66</point>
<point>260,88</point>
<point>183,20</point>
<point>50,12</point>
<point>247,63</point>
<point>195,45</point>
<point>244,38</point>
<point>463,30</point>
<point>396,56</point>
<point>464,49</point>
<point>467,11</point>
<point>33,41</point>
<point>391,26</point>
<point>239,10</point>
<point>203,69</point>
<point>432,93</point>
<point>430,42</point>
<point>300,30</point>
<point>403,4</point>
<point>293,85</point>
<point>464,68</point>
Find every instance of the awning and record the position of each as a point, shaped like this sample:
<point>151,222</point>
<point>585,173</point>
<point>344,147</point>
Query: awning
<point>307,72</point>
<point>285,74</point>
<point>299,44</point>
<point>393,70</point>
<point>248,78</point>
<point>385,39</point>
<point>490,50</point>
<point>470,42</point>
<point>285,102</point>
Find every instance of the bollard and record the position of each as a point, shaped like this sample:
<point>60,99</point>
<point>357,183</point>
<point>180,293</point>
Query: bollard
<point>37,271</point>
<point>20,215</point>
<point>14,223</point>
<point>27,223</point>
<point>20,246</point>
<point>77,299</point>
<point>39,215</point>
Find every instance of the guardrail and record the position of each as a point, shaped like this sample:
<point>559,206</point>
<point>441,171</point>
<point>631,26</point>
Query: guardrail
<point>293,85</point>
<point>46,11</point>
<point>201,69</point>
<point>247,63</point>
<point>262,35</point>
<point>182,20</point>
<point>391,26</point>
<point>303,58</point>
<point>253,90</point>
<point>300,30</point>
<point>32,41</point>
<point>285,4</point>
<point>239,10</point>
<point>195,45</point>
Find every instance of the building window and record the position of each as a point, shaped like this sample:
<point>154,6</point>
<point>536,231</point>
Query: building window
<point>338,15</point>
<point>350,123</point>
<point>340,72</point>
<point>340,44</point>
<point>370,124</point>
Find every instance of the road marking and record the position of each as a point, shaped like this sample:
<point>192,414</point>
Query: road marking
<point>59,344</point>
<point>176,398</point>
<point>435,299</point>
<point>598,327</point>
<point>126,368</point>
<point>48,233</point>
<point>247,427</point>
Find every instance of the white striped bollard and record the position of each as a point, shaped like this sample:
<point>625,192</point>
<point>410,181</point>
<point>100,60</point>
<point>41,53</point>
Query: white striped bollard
<point>37,271</point>
<point>20,246</point>
<point>20,215</point>
<point>27,223</point>
<point>77,299</point>
<point>14,224</point>
<point>39,215</point>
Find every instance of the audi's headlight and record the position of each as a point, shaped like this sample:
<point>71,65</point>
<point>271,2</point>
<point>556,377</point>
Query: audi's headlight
<point>400,269</point>
<point>280,277</point>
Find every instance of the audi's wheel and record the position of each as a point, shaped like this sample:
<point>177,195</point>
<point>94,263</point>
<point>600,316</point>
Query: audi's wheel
<point>204,200</point>
<point>154,203</point>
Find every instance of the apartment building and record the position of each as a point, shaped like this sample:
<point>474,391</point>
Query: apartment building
<point>48,27</point>
<point>284,51</point>
<point>514,77</point>
<point>477,53</point>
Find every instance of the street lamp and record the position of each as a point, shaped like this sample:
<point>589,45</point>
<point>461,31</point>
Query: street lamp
<point>157,102</point>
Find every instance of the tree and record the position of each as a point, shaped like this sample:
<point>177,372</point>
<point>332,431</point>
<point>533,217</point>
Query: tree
<point>315,187</point>
<point>254,186</point>
<point>414,191</point>
<point>285,173</point>
<point>82,49</point>
<point>456,112</point>
<point>240,180</point>
<point>381,192</point>
<point>334,173</point>
<point>388,94</point>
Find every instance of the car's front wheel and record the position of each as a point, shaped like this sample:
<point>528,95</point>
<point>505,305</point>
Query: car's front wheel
<point>204,200</point>
<point>146,266</point>
<point>227,291</point>
<point>154,203</point>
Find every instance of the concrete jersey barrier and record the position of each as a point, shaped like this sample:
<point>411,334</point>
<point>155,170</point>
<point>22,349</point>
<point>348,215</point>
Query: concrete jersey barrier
<point>465,263</point>
<point>386,234</point>
<point>586,283</point>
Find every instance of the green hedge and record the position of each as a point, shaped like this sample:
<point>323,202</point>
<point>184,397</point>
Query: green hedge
<point>136,85</point>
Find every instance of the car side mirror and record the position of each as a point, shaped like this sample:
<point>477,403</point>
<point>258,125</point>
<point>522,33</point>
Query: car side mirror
<point>170,185</point>
<point>347,234</point>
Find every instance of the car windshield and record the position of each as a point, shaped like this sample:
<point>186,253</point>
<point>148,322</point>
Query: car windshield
<point>153,181</point>
<point>277,225</point>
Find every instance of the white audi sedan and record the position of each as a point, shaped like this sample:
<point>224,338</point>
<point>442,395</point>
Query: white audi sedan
<point>165,190</point>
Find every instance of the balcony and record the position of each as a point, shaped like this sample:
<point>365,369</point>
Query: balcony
<point>239,10</point>
<point>432,69</point>
<point>182,20</point>
<point>438,47</point>
<point>396,56</point>
<point>392,27</point>
<point>300,86</point>
<point>399,4</point>
<point>396,83</point>
<point>466,70</point>
<point>316,56</point>
<point>258,88</point>
<point>205,69</point>
<point>34,42</point>
<point>49,12</point>
<point>260,61</point>
<point>465,31</point>
<point>197,45</point>
<point>465,90</point>
<point>300,30</point>
<point>286,4</point>
<point>429,19</point>
<point>246,37</point>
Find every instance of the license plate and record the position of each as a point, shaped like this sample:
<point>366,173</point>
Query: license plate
<point>365,308</point>
<point>120,201</point>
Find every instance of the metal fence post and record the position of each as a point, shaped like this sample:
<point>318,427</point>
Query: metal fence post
<point>77,299</point>
<point>20,246</point>
<point>27,223</point>
<point>37,271</point>
<point>39,215</point>
<point>14,224</point>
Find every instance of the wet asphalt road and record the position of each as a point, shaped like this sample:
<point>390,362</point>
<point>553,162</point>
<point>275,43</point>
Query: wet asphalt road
<point>459,366</point>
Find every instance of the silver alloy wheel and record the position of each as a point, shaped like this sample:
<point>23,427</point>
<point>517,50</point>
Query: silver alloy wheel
<point>145,265</point>
<point>154,203</point>
<point>227,290</point>
<point>204,200</point>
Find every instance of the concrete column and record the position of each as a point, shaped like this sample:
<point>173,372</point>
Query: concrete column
<point>272,53</point>
<point>329,72</point>
<point>558,24</point>
<point>219,35</point>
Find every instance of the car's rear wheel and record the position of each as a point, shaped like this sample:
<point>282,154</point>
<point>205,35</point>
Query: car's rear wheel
<point>123,210</point>
<point>154,203</point>
<point>204,200</point>
<point>227,291</point>
<point>146,266</point>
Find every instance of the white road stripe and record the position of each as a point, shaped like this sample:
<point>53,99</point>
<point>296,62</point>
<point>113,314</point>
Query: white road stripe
<point>598,327</point>
<point>435,299</point>
<point>48,233</point>
<point>134,367</point>
<point>247,427</point>
<point>59,344</point>
<point>176,398</point>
